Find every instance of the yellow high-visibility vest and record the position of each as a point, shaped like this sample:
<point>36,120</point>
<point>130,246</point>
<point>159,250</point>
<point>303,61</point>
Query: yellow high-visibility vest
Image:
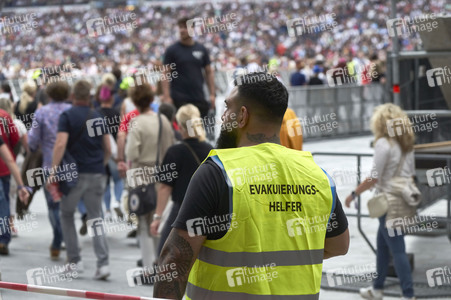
<point>280,204</point>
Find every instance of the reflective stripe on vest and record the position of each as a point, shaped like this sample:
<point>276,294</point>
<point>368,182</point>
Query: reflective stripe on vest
<point>250,259</point>
<point>281,203</point>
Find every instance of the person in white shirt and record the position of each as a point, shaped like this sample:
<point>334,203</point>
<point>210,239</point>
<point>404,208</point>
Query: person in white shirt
<point>393,149</point>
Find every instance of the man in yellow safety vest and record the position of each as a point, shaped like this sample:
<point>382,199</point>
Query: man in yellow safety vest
<point>258,218</point>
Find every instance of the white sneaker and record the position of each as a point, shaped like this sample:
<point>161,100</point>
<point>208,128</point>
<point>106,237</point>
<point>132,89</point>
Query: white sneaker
<point>404,298</point>
<point>108,216</point>
<point>371,293</point>
<point>102,273</point>
<point>73,269</point>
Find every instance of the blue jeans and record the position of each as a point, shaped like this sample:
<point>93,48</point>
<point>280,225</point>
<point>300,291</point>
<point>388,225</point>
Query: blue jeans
<point>5,231</point>
<point>54,218</point>
<point>118,185</point>
<point>396,246</point>
<point>81,208</point>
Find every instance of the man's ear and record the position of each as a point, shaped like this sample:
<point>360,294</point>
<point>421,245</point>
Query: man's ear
<point>243,117</point>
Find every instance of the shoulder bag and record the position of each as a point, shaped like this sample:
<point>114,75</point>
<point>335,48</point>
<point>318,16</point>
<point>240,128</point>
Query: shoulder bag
<point>193,153</point>
<point>378,205</point>
<point>143,199</point>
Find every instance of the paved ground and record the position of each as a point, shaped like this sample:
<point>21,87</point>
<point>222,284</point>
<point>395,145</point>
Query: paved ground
<point>30,249</point>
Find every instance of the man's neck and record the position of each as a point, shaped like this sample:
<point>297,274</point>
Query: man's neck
<point>106,105</point>
<point>252,139</point>
<point>81,103</point>
<point>187,42</point>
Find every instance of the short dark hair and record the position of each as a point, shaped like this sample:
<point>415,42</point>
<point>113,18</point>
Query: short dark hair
<point>265,95</point>
<point>117,72</point>
<point>142,96</point>
<point>6,88</point>
<point>82,90</point>
<point>58,91</point>
<point>182,21</point>
<point>168,110</point>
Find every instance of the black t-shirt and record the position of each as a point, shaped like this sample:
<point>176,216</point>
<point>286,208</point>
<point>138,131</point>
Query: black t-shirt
<point>315,81</point>
<point>88,149</point>
<point>112,119</point>
<point>185,165</point>
<point>26,117</point>
<point>208,196</point>
<point>187,86</point>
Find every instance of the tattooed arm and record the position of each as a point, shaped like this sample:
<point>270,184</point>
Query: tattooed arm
<point>182,250</point>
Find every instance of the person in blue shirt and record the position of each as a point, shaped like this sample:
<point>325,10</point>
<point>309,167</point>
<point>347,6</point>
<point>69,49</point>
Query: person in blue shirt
<point>297,78</point>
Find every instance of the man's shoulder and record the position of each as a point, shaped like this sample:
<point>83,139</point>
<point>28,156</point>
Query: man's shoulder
<point>173,47</point>
<point>199,45</point>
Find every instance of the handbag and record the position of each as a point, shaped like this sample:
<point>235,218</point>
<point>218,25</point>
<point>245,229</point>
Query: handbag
<point>143,199</point>
<point>378,205</point>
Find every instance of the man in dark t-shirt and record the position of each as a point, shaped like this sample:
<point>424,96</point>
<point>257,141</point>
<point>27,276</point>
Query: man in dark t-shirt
<point>80,132</point>
<point>188,59</point>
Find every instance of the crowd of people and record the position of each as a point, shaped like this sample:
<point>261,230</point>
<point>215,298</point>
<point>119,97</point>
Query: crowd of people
<point>261,35</point>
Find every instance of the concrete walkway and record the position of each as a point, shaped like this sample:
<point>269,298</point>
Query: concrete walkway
<point>30,249</point>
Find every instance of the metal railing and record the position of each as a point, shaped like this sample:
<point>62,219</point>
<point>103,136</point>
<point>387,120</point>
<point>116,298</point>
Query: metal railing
<point>349,106</point>
<point>425,203</point>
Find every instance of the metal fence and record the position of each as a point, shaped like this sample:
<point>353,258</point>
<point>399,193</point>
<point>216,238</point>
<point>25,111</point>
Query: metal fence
<point>328,111</point>
<point>324,111</point>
